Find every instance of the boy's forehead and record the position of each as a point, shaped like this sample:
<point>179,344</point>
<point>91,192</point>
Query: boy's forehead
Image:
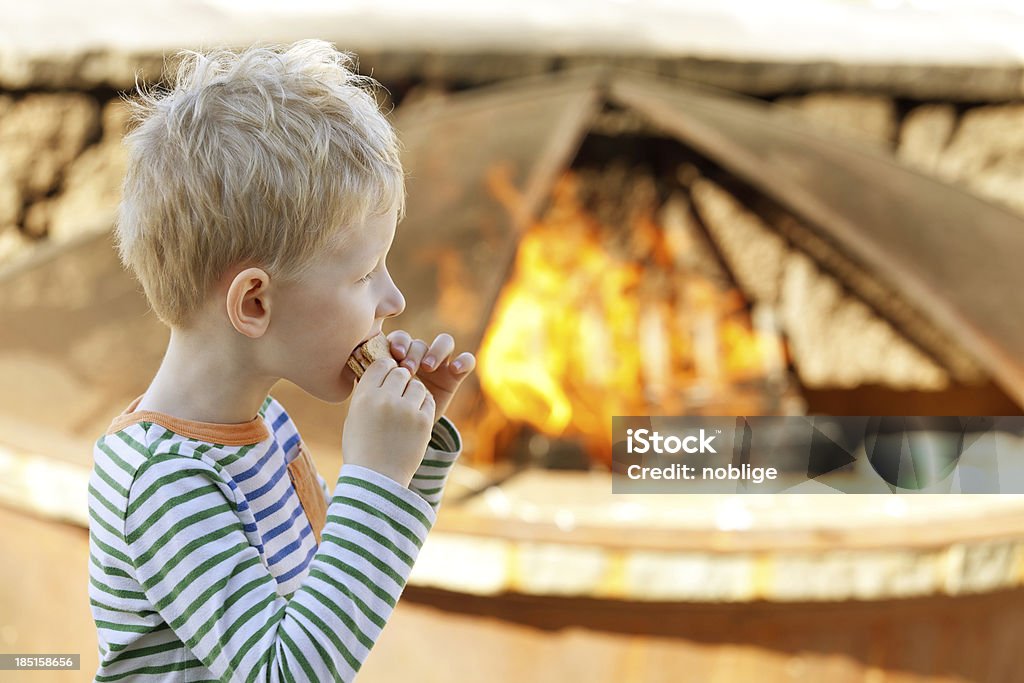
<point>366,241</point>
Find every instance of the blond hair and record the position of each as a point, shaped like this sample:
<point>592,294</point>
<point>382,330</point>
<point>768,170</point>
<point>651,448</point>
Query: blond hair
<point>260,157</point>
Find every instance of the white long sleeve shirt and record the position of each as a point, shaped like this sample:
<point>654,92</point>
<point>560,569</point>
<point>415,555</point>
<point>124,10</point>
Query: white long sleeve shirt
<point>204,564</point>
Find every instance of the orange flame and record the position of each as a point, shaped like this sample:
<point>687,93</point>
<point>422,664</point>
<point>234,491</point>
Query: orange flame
<point>582,331</point>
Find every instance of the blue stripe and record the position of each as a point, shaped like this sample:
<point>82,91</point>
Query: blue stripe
<point>290,443</point>
<point>256,493</point>
<point>299,568</point>
<point>284,552</point>
<point>283,526</point>
<point>280,420</point>
<point>266,512</point>
<point>255,469</point>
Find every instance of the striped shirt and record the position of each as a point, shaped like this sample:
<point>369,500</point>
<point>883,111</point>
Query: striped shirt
<point>204,565</point>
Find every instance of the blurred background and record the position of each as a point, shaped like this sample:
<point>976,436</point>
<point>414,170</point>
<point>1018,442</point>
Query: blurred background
<point>623,208</point>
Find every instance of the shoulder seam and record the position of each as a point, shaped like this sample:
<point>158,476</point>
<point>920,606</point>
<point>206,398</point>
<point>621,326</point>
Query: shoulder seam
<point>160,457</point>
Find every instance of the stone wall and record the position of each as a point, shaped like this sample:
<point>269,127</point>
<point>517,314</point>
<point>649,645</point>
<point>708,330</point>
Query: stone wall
<point>61,164</point>
<point>61,161</point>
<point>979,147</point>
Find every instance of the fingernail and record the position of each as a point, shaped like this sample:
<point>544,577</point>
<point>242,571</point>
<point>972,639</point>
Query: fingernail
<point>428,363</point>
<point>400,348</point>
<point>408,365</point>
<point>458,366</point>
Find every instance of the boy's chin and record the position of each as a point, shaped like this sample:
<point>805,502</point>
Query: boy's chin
<point>343,388</point>
<point>337,392</point>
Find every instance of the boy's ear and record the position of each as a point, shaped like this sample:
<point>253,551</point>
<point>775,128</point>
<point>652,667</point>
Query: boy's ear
<point>248,302</point>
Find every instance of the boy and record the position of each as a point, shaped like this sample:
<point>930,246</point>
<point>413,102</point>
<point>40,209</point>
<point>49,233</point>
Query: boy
<point>261,199</point>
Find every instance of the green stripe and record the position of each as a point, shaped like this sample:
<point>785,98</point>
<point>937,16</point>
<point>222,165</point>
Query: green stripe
<point>192,546</point>
<point>186,582</point>
<point>369,557</point>
<point>145,651</point>
<point>325,656</point>
<point>103,524</point>
<point>380,538</point>
<point>156,516</point>
<point>298,654</point>
<point>124,628</point>
<point>263,661</point>
<point>240,453</point>
<point>387,495</point>
<point>163,668</point>
<point>243,619</point>
<point>105,503</point>
<point>213,590</point>
<point>113,552</point>
<point>141,615</point>
<point>438,464</point>
<point>109,571</point>
<point>130,441</point>
<point>430,492</point>
<point>272,623</point>
<point>115,458</point>
<point>181,525</point>
<point>342,588</point>
<point>122,647</point>
<point>431,477</point>
<point>191,468</point>
<point>353,628</point>
<point>127,595</point>
<point>449,429</point>
<point>120,490</point>
<point>361,578</point>
<point>153,447</point>
<point>370,510</point>
<point>237,596</point>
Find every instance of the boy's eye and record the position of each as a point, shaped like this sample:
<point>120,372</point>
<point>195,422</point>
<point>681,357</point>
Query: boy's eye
<point>370,274</point>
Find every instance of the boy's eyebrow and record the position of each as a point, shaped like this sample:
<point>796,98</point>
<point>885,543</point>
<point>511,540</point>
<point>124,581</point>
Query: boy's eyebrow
<point>372,259</point>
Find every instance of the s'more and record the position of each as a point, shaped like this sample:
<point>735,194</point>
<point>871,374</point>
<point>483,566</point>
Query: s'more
<point>366,353</point>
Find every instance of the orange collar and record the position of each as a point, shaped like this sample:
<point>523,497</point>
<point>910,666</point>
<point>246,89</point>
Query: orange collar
<point>236,434</point>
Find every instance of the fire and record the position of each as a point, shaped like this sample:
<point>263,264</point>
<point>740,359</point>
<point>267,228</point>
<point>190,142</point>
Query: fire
<point>583,330</point>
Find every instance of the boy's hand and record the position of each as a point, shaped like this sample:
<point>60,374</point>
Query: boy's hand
<point>443,375</point>
<point>389,422</point>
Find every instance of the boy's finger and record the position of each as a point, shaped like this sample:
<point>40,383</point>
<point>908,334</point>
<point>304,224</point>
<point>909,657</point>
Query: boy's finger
<point>414,391</point>
<point>440,350</point>
<point>465,363</point>
<point>397,380</point>
<point>378,370</point>
<point>399,340</point>
<point>428,404</point>
<point>412,359</point>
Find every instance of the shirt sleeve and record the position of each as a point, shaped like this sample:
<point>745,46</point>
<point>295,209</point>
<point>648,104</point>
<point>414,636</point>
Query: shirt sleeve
<point>443,450</point>
<point>186,542</point>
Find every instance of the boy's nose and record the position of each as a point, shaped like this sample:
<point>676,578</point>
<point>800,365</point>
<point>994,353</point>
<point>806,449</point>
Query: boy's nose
<point>394,302</point>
